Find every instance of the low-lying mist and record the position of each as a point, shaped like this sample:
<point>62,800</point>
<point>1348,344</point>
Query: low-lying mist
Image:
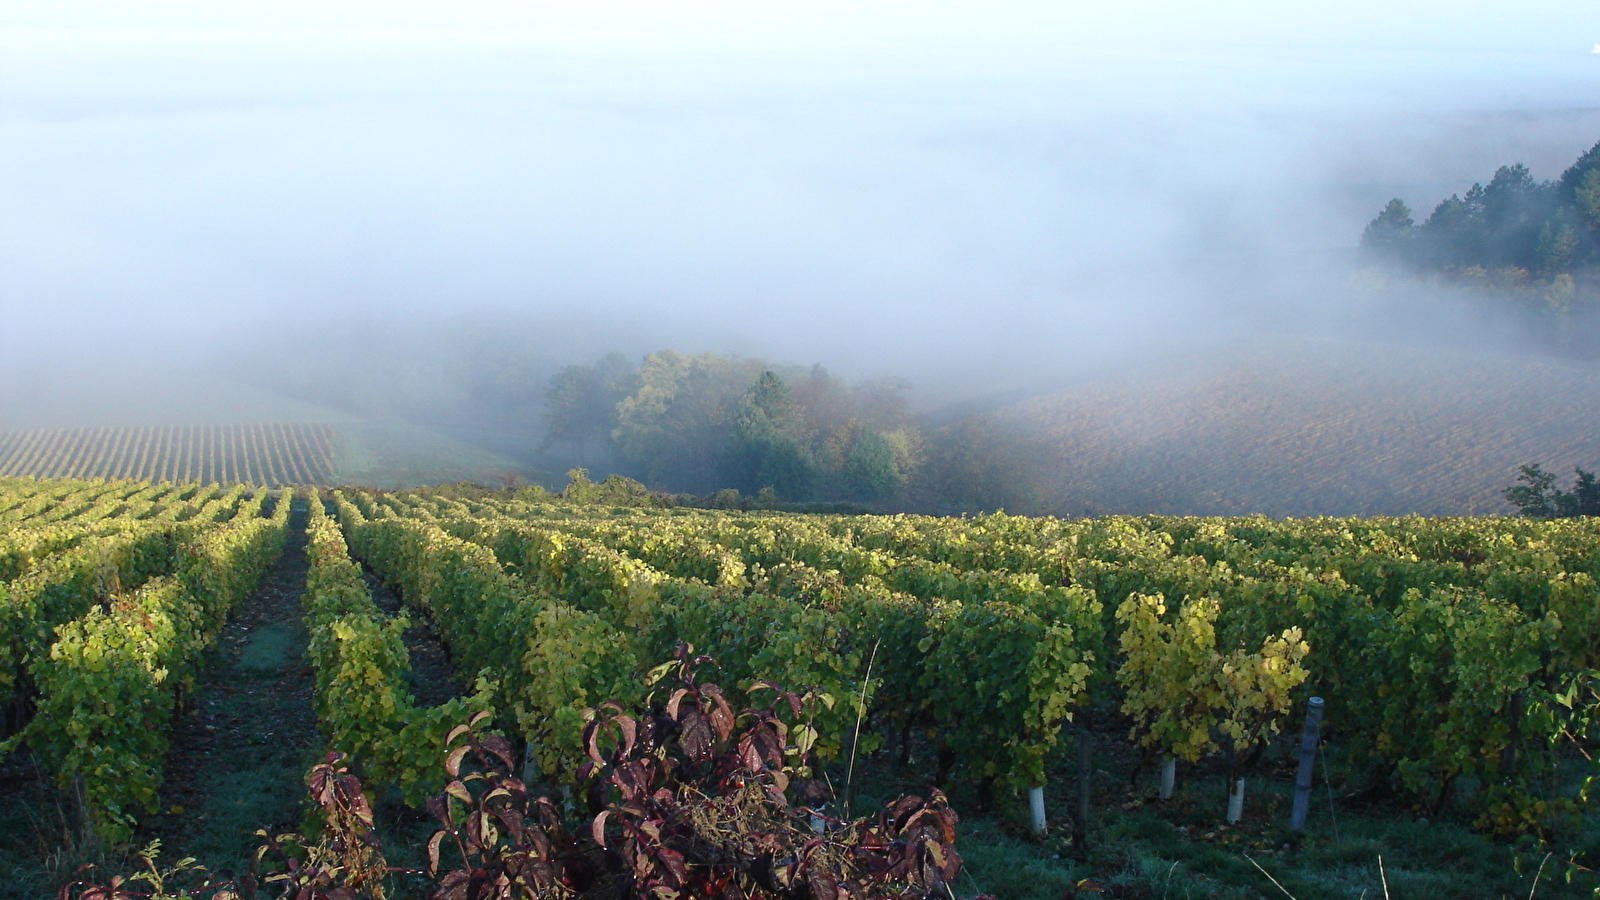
<point>402,218</point>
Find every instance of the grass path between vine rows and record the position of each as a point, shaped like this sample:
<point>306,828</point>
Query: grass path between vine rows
<point>239,753</point>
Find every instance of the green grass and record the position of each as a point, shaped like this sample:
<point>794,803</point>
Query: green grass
<point>36,840</point>
<point>270,648</point>
<point>1181,849</point>
<point>1139,848</point>
<point>254,775</point>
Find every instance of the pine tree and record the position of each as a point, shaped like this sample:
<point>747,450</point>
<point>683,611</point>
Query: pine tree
<point>1391,232</point>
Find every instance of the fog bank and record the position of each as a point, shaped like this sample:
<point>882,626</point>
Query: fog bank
<point>975,201</point>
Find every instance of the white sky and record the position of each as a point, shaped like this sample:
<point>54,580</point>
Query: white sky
<point>864,180</point>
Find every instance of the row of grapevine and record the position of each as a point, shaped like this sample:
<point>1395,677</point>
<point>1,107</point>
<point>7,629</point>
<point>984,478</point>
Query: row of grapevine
<point>1418,591</point>
<point>951,646</point>
<point>63,504</point>
<point>635,598</point>
<point>881,655</point>
<point>113,674</point>
<point>67,585</point>
<point>1449,648</point>
<point>24,544</point>
<point>123,500</point>
<point>22,497</point>
<point>58,572</point>
<point>363,704</point>
<point>545,661</point>
<point>1445,646</point>
<point>151,503</point>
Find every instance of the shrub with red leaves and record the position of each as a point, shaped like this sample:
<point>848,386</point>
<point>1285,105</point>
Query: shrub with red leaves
<point>692,800</point>
<point>687,800</point>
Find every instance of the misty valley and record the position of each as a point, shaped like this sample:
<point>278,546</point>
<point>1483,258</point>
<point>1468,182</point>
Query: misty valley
<point>828,451</point>
<point>699,625</point>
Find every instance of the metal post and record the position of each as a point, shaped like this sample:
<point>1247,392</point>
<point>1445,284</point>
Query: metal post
<point>1308,756</point>
<point>1080,817</point>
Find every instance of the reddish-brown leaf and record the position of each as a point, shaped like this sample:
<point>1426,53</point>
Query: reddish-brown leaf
<point>823,885</point>
<point>722,718</point>
<point>696,735</point>
<point>768,744</point>
<point>501,748</point>
<point>539,843</point>
<point>454,885</point>
<point>452,763</point>
<point>952,864</point>
<point>749,754</point>
<point>674,701</point>
<point>633,779</point>
<point>591,741</point>
<point>903,808</point>
<point>433,853</point>
<point>630,733</point>
<point>673,861</point>
<point>512,819</point>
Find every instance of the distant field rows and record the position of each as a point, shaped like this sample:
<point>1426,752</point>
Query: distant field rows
<point>268,454</point>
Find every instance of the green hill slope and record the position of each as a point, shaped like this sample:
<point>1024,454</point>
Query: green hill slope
<point>1313,428</point>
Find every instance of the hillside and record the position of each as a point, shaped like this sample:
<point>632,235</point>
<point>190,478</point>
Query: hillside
<point>269,454</point>
<point>1311,428</point>
<point>382,455</point>
<point>188,426</point>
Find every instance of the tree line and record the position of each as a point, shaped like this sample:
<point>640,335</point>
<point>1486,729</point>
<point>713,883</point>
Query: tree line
<point>1540,239</point>
<point>707,423</point>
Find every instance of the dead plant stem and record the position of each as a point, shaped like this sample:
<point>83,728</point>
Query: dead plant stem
<point>855,739</point>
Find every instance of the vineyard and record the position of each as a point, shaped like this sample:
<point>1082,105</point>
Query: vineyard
<point>1308,428</point>
<point>997,657</point>
<point>266,454</point>
<point>113,592</point>
<point>389,454</point>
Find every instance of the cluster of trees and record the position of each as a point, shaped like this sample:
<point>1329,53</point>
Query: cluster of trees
<point>1514,232</point>
<point>1535,494</point>
<point>707,422</point>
